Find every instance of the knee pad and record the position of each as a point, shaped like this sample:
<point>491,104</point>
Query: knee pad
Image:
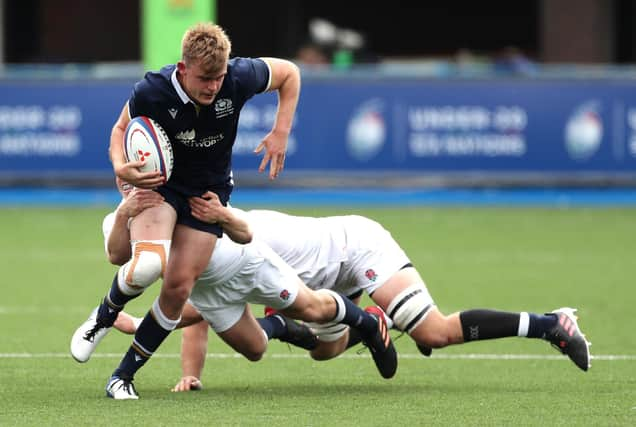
<point>410,307</point>
<point>147,264</point>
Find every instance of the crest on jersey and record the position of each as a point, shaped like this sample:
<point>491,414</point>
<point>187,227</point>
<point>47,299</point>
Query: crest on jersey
<point>371,274</point>
<point>284,295</point>
<point>223,107</point>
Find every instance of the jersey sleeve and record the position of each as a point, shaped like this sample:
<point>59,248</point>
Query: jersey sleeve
<point>151,91</point>
<point>252,76</point>
<point>138,103</point>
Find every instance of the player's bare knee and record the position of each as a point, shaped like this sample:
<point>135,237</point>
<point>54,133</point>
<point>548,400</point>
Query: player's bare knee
<point>437,331</point>
<point>327,350</point>
<point>432,339</point>
<point>253,356</point>
<point>321,355</point>
<point>178,294</point>
<point>254,350</point>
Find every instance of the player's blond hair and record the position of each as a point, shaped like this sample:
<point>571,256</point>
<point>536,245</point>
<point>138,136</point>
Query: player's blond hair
<point>207,44</point>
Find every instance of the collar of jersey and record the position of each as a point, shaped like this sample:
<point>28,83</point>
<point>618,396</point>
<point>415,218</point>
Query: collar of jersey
<point>177,86</point>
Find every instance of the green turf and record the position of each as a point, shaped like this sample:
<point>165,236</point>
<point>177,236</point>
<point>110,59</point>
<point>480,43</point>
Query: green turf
<point>54,272</point>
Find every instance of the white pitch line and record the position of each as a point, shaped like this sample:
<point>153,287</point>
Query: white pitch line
<point>472,356</point>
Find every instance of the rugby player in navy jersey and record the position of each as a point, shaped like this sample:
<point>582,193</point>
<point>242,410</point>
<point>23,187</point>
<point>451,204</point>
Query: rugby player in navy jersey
<point>197,102</point>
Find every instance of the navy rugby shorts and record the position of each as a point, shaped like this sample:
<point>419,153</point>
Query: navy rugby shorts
<point>179,202</point>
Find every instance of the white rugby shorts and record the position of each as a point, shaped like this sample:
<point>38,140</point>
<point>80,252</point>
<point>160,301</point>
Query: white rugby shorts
<point>264,278</point>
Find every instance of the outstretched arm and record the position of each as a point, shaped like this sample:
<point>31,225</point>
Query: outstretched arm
<point>194,346</point>
<point>286,80</point>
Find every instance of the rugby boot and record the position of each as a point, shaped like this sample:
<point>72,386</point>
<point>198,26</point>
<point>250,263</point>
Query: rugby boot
<point>298,334</point>
<point>87,337</point>
<point>381,346</point>
<point>426,351</point>
<point>120,388</point>
<point>566,337</point>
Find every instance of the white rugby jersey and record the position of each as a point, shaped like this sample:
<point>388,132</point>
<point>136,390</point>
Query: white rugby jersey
<point>313,247</point>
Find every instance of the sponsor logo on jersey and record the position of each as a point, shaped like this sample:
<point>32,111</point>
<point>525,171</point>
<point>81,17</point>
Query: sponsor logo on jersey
<point>223,107</point>
<point>371,275</point>
<point>173,112</point>
<point>188,138</point>
<point>210,140</point>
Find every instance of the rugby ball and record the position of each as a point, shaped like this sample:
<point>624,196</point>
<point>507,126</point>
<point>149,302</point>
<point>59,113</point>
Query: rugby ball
<point>146,140</point>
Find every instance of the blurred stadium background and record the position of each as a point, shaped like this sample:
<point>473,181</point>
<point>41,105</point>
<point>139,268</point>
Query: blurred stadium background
<point>424,94</point>
<point>495,140</point>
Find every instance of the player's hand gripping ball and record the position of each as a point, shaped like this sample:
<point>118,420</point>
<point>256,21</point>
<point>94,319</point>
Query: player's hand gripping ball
<point>146,140</point>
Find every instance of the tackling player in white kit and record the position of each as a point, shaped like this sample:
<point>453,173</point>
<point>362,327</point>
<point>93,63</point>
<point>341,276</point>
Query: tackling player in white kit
<point>350,254</point>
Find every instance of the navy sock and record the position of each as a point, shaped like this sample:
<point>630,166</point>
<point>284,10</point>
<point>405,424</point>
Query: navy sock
<point>113,303</point>
<point>116,296</point>
<point>354,337</point>
<point>147,339</point>
<point>357,318</point>
<point>274,326</point>
<point>540,324</point>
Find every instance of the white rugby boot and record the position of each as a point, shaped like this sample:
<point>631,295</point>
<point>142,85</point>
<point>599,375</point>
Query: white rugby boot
<point>121,389</point>
<point>87,336</point>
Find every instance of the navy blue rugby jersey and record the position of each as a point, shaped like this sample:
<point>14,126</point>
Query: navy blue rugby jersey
<point>202,142</point>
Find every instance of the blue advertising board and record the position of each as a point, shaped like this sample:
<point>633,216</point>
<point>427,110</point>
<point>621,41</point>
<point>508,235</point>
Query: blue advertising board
<point>452,126</point>
<point>353,125</point>
<point>58,128</point>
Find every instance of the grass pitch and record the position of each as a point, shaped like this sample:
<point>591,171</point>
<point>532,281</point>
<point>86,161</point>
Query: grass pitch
<point>54,272</point>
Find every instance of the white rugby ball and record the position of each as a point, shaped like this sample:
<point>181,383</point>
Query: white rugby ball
<point>146,140</point>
